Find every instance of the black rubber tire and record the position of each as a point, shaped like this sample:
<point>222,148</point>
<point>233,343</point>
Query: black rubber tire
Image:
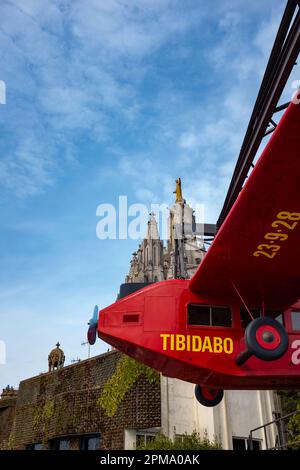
<point>204,400</point>
<point>257,349</point>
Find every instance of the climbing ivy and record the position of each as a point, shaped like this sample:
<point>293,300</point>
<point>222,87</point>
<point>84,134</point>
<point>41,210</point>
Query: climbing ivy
<point>11,441</point>
<point>43,413</point>
<point>127,372</point>
<point>41,419</point>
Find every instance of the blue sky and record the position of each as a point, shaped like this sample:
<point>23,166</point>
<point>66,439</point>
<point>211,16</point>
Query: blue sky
<point>108,98</point>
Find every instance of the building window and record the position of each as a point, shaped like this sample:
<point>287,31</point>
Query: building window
<point>90,442</point>
<point>60,444</point>
<point>243,443</point>
<point>183,438</point>
<point>63,444</point>
<point>35,446</point>
<point>256,313</point>
<point>143,438</point>
<point>209,315</point>
<point>296,320</point>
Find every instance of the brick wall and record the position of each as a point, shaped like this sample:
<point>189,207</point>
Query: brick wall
<point>7,415</point>
<point>64,403</point>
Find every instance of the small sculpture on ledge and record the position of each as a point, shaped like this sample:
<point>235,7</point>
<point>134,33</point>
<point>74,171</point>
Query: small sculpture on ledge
<point>56,358</point>
<point>9,392</point>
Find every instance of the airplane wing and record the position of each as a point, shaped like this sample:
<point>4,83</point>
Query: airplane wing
<point>257,249</point>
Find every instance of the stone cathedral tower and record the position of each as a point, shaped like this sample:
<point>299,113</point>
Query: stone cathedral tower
<point>147,262</point>
<point>153,261</point>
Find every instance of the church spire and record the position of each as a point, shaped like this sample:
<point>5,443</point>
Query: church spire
<point>152,232</point>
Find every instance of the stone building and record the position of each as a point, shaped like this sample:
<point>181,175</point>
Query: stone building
<point>59,409</point>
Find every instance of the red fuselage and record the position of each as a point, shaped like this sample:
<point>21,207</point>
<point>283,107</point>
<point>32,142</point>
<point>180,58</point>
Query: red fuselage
<point>152,326</point>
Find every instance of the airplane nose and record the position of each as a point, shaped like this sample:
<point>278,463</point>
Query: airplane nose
<point>92,334</point>
<point>93,323</point>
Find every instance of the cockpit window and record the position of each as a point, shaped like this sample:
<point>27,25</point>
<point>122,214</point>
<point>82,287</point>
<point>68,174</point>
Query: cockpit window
<point>296,320</point>
<point>255,312</point>
<point>209,315</point>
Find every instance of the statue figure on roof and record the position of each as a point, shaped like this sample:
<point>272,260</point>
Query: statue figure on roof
<point>178,191</point>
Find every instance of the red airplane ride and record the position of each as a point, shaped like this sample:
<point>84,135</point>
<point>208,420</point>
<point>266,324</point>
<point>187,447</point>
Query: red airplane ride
<point>236,323</point>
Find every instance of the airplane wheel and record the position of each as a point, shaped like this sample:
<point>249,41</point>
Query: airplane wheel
<point>266,339</point>
<point>208,396</point>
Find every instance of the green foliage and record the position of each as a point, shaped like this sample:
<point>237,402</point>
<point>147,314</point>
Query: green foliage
<point>186,442</point>
<point>293,427</point>
<point>290,399</point>
<point>290,402</point>
<point>48,409</point>
<point>128,371</point>
<point>11,441</point>
<point>42,414</point>
<point>41,417</point>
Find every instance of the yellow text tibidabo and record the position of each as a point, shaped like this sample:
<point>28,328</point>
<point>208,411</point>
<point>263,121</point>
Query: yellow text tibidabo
<point>215,344</point>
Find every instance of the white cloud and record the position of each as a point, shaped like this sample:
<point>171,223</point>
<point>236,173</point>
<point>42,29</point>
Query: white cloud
<point>28,169</point>
<point>230,20</point>
<point>145,194</point>
<point>188,141</point>
<point>74,69</point>
<point>131,29</point>
<point>149,180</point>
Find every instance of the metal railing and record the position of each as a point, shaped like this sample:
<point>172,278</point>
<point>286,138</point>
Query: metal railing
<point>283,434</point>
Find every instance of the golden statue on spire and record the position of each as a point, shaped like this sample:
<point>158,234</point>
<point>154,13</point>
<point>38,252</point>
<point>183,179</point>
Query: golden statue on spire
<point>178,191</point>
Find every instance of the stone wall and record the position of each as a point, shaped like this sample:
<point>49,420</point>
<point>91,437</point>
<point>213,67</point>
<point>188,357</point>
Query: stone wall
<point>63,403</point>
<point>7,415</point>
